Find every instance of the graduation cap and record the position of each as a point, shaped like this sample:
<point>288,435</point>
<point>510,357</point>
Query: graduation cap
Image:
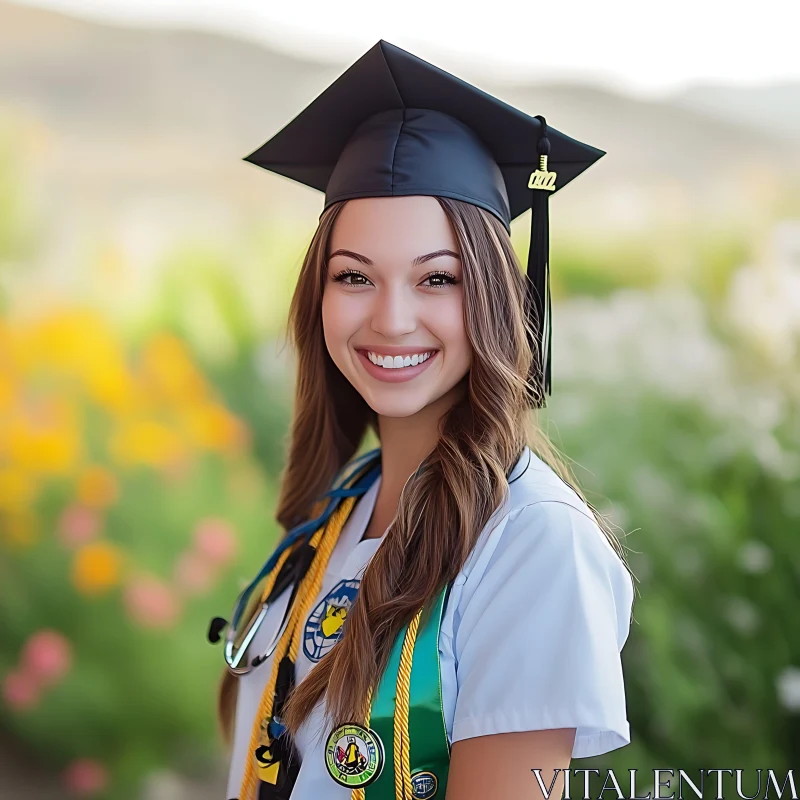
<point>393,124</point>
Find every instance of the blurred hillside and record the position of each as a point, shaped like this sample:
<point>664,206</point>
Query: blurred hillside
<point>146,128</point>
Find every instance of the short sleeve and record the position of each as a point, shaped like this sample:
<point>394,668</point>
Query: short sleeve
<point>539,632</point>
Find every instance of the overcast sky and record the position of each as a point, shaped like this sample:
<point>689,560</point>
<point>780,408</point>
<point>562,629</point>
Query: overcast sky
<point>635,45</point>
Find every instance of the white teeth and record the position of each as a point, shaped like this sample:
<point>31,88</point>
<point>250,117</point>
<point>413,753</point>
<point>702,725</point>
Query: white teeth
<point>397,362</point>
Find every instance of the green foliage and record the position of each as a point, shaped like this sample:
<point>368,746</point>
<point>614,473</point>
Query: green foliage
<point>700,469</point>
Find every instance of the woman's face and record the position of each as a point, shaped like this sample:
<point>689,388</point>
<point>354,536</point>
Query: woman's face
<point>394,295</point>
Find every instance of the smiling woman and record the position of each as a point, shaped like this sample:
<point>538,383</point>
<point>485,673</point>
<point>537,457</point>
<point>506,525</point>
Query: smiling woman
<point>400,306</point>
<point>444,614</point>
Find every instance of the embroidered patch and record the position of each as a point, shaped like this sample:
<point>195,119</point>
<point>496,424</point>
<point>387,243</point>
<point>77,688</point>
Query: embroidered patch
<point>423,785</point>
<point>324,625</point>
<point>354,755</point>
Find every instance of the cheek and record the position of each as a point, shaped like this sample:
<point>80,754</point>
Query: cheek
<point>446,322</point>
<point>337,320</point>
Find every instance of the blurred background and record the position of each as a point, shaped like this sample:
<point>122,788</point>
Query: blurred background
<point>145,394</point>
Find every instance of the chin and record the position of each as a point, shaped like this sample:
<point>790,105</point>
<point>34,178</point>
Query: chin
<point>396,406</point>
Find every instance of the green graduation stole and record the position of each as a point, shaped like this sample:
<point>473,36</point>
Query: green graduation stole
<point>377,760</point>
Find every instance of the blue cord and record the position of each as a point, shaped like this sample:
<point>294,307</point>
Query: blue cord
<point>307,529</point>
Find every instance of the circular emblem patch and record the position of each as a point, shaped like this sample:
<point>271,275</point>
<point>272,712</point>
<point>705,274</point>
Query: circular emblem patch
<point>423,785</point>
<point>324,625</point>
<point>354,755</point>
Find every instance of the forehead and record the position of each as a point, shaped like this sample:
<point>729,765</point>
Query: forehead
<point>400,228</point>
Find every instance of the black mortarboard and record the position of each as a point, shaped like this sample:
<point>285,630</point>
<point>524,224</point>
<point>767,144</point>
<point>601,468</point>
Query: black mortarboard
<point>393,124</point>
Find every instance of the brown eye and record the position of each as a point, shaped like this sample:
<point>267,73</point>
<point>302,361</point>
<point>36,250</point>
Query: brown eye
<point>342,277</point>
<point>439,279</point>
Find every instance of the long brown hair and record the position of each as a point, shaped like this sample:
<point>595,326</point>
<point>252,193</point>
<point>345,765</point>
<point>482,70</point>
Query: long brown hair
<point>445,505</point>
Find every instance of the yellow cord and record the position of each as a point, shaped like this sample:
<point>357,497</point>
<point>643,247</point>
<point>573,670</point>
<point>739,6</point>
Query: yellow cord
<point>290,640</point>
<point>359,793</point>
<point>402,751</point>
<point>402,755</point>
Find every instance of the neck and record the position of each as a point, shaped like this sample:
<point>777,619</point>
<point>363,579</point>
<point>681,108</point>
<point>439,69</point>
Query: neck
<point>405,442</point>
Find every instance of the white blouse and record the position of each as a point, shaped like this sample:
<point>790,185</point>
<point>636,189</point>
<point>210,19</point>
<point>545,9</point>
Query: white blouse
<point>530,637</point>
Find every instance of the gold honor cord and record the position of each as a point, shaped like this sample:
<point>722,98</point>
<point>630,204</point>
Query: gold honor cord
<point>402,750</point>
<point>359,793</point>
<point>290,640</point>
<point>316,510</point>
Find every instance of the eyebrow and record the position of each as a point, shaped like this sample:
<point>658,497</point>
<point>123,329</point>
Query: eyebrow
<point>416,262</point>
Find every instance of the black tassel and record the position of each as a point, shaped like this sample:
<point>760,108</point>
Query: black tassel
<point>538,279</point>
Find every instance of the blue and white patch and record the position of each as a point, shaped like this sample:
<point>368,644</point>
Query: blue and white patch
<point>424,785</point>
<point>324,624</point>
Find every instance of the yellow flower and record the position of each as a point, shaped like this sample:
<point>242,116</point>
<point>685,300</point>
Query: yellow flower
<point>45,437</point>
<point>146,442</point>
<point>17,488</point>
<point>97,487</point>
<point>169,372</point>
<point>8,390</point>
<point>19,529</point>
<point>115,390</point>
<point>213,427</point>
<point>97,568</point>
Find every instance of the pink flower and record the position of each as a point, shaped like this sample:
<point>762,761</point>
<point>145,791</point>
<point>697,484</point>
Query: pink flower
<point>21,690</point>
<point>215,540</point>
<point>77,525</point>
<point>151,603</point>
<point>194,574</point>
<point>85,777</point>
<point>47,655</point>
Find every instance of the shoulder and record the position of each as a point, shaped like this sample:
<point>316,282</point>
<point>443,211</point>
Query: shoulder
<point>537,619</point>
<point>545,545</point>
<point>534,481</point>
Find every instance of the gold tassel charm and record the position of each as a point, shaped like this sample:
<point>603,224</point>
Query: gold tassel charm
<point>542,178</point>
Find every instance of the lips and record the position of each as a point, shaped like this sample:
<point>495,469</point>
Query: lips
<point>396,374</point>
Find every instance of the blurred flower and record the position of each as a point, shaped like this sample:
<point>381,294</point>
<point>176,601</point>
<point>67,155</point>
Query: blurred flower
<point>212,427</point>
<point>215,540</point>
<point>116,390</point>
<point>97,487</point>
<point>19,528</point>
<point>168,370</point>
<point>194,574</point>
<point>85,777</point>
<point>96,568</point>
<point>755,556</point>
<point>150,603</point>
<point>764,299</point>
<point>17,488</point>
<point>788,687</point>
<point>78,524</point>
<point>646,340</point>
<point>47,655</point>
<point>164,785</point>
<point>742,615</point>
<point>20,690</point>
<point>146,442</point>
<point>44,435</point>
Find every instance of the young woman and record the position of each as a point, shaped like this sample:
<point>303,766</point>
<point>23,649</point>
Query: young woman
<point>445,615</point>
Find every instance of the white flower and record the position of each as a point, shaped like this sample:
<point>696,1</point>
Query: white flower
<point>742,615</point>
<point>787,685</point>
<point>755,557</point>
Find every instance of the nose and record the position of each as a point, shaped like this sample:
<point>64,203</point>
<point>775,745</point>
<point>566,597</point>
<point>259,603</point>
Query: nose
<point>394,313</point>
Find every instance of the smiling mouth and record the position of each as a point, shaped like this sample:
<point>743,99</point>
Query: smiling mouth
<point>398,362</point>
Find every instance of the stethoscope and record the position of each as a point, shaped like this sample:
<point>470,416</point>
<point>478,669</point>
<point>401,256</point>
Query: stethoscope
<point>293,569</point>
